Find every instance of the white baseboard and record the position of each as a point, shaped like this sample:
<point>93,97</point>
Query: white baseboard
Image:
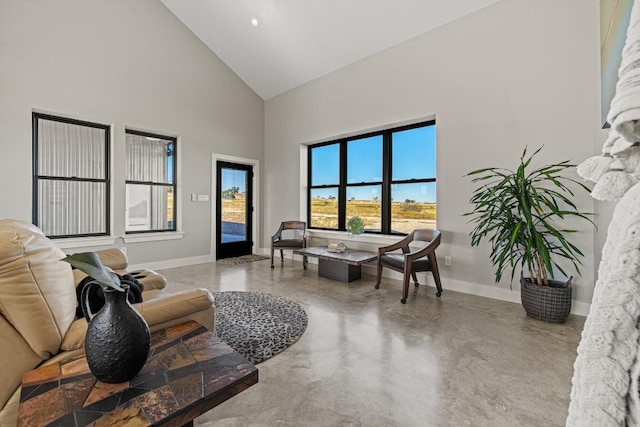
<point>479,290</point>
<point>577,307</point>
<point>172,263</point>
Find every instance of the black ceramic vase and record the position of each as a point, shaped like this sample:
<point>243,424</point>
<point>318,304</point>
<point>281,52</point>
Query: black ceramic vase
<point>118,339</point>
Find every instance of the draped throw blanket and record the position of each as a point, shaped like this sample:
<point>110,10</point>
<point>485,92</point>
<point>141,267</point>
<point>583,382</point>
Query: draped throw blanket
<point>618,168</point>
<point>605,381</point>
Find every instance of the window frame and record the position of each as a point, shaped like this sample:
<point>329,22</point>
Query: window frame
<point>386,183</point>
<point>36,177</point>
<point>152,183</point>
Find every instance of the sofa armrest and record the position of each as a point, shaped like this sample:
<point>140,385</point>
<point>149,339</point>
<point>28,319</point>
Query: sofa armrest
<point>149,279</point>
<point>160,311</point>
<point>114,258</point>
<point>173,309</point>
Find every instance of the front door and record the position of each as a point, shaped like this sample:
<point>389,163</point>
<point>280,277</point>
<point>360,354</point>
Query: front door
<point>234,213</point>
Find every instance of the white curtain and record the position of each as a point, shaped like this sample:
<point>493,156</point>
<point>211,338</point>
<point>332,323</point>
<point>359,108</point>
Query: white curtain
<point>147,161</point>
<point>70,207</point>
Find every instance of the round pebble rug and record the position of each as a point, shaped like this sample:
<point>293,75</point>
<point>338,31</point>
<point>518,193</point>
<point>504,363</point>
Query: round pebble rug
<point>256,324</point>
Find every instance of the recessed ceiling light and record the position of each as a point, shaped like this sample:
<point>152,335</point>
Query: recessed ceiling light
<point>254,21</point>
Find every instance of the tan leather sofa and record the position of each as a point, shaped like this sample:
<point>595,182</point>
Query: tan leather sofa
<point>38,304</point>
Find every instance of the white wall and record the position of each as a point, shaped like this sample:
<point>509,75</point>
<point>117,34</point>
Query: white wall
<point>518,73</point>
<point>521,72</point>
<point>125,63</point>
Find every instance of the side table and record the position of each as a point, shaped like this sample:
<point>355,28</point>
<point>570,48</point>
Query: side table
<point>188,372</point>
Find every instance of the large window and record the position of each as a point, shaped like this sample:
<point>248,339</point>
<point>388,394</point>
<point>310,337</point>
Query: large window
<point>387,178</point>
<point>70,177</point>
<point>150,183</point>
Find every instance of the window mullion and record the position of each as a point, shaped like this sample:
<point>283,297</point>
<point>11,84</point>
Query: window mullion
<point>36,171</point>
<point>107,177</point>
<point>71,178</point>
<point>386,183</point>
<point>342,190</point>
<point>165,184</point>
<point>309,163</point>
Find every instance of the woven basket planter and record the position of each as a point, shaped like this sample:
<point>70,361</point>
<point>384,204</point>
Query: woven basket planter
<point>549,303</point>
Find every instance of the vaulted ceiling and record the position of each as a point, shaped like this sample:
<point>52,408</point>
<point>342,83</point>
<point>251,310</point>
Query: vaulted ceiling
<point>276,45</point>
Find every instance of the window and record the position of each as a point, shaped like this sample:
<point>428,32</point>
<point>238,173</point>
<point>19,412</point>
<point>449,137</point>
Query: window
<point>150,183</point>
<point>70,177</point>
<point>386,178</point>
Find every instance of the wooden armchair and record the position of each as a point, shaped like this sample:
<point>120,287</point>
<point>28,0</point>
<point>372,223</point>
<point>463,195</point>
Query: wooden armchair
<point>410,262</point>
<point>291,235</point>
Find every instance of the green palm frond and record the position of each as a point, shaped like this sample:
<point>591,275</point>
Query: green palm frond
<point>518,213</point>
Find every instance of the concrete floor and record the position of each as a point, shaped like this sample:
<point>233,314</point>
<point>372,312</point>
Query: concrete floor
<point>367,360</point>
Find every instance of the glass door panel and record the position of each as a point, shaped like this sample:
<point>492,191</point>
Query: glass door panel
<point>234,209</point>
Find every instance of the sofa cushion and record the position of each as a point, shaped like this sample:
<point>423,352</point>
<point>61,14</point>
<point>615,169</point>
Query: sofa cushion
<point>37,294</point>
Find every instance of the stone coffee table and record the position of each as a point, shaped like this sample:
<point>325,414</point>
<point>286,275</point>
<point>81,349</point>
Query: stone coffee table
<point>188,372</point>
<point>345,266</point>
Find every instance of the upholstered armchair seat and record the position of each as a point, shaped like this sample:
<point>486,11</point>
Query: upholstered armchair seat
<point>291,235</point>
<point>288,243</point>
<point>412,259</point>
<point>397,260</point>
<point>38,305</point>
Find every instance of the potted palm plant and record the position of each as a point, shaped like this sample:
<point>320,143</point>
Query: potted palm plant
<point>518,212</point>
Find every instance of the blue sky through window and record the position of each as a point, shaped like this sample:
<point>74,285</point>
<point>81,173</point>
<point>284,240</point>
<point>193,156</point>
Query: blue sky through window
<point>414,154</point>
<point>170,149</point>
<point>364,160</point>
<point>413,157</point>
<point>234,178</point>
<point>325,164</point>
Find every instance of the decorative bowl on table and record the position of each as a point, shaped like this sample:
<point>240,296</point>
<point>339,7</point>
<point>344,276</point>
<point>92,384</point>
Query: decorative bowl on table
<point>337,248</point>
